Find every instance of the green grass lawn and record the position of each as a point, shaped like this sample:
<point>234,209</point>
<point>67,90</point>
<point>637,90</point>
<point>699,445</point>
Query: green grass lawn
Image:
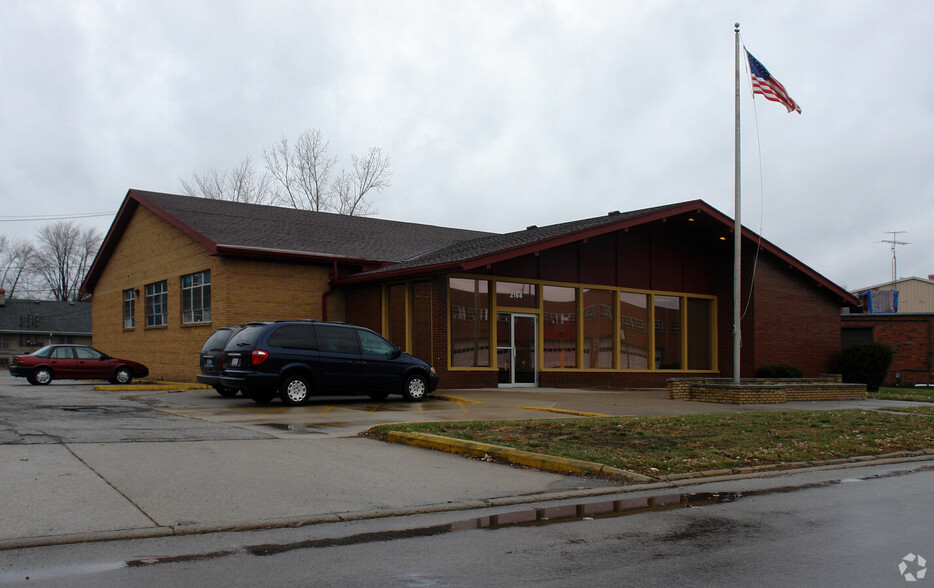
<point>912,394</point>
<point>678,444</point>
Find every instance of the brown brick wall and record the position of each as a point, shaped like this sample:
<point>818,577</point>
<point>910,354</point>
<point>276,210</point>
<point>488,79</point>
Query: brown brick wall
<point>912,339</point>
<point>152,250</point>
<point>795,322</point>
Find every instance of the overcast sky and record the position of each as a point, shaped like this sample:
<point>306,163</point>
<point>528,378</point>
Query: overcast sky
<point>497,115</point>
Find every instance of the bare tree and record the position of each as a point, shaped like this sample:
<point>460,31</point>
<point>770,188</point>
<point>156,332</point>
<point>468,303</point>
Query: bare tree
<point>240,184</point>
<point>368,174</point>
<point>300,175</point>
<point>15,257</point>
<point>63,258</point>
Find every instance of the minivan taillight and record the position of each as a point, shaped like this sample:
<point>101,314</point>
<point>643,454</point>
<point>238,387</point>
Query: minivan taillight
<point>259,356</point>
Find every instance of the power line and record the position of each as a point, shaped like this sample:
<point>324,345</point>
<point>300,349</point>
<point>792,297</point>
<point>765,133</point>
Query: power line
<point>17,219</point>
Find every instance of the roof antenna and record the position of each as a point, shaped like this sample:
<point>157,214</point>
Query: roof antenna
<point>894,242</point>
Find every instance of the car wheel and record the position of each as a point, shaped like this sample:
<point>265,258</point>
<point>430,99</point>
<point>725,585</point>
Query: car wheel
<point>31,380</point>
<point>225,391</point>
<point>294,390</point>
<point>42,376</point>
<point>378,395</point>
<point>416,388</point>
<point>122,376</point>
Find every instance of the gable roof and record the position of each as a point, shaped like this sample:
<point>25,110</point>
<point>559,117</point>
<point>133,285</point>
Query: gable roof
<point>45,316</point>
<point>235,228</point>
<point>392,249</point>
<point>889,284</point>
<point>482,251</point>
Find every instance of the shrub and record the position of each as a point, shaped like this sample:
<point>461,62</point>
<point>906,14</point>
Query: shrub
<point>778,370</point>
<point>864,363</point>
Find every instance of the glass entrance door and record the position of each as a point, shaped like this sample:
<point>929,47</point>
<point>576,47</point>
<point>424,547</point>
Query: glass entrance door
<point>516,356</point>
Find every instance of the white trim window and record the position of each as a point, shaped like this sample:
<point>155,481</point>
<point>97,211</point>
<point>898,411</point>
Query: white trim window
<point>157,312</point>
<point>196,298</point>
<point>129,309</point>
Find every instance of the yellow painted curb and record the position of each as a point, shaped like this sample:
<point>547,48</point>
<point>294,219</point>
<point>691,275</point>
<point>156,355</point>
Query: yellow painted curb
<point>454,399</point>
<point>562,411</point>
<point>516,456</point>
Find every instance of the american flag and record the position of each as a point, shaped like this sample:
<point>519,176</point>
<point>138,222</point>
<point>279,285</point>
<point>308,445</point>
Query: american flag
<point>763,83</point>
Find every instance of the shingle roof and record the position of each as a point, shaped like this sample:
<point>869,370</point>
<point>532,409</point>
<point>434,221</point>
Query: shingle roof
<point>494,243</point>
<point>234,225</point>
<point>45,316</point>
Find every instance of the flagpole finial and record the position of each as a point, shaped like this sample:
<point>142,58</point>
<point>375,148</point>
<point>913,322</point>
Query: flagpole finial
<point>736,25</point>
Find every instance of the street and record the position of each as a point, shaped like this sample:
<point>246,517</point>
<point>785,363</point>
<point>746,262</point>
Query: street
<point>105,488</point>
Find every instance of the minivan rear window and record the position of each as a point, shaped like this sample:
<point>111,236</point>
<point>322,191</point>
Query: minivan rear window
<point>218,340</point>
<point>294,337</point>
<point>246,338</point>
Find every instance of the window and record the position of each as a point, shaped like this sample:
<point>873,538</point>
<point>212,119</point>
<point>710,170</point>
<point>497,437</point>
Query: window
<point>470,322</point>
<point>129,309</point>
<point>157,313</point>
<point>88,353</point>
<point>294,337</point>
<point>333,339</point>
<point>63,353</point>
<point>633,331</point>
<point>598,329</point>
<point>516,295</point>
<point>196,298</point>
<point>373,344</point>
<point>700,334</point>
<point>668,341</point>
<point>560,326</point>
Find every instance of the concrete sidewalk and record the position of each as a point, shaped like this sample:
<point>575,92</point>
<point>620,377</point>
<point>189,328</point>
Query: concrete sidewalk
<point>69,492</point>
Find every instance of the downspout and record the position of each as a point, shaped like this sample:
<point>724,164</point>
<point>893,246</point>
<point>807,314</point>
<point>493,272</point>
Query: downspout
<point>328,292</point>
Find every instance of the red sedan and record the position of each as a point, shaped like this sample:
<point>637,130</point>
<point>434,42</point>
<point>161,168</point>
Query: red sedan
<point>75,362</point>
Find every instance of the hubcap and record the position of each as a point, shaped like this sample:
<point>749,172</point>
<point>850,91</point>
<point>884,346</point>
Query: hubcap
<point>416,388</point>
<point>296,391</point>
<point>123,376</point>
<point>43,377</point>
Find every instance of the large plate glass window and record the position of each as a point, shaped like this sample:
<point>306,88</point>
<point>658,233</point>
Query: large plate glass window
<point>633,331</point>
<point>560,326</point>
<point>196,297</point>
<point>700,334</point>
<point>598,328</point>
<point>157,313</point>
<point>510,294</point>
<point>667,332</point>
<point>470,322</point>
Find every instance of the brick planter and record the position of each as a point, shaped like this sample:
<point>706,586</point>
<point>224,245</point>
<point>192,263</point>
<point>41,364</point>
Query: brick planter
<point>764,391</point>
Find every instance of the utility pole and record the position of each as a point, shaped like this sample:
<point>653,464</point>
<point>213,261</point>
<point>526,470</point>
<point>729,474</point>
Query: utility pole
<point>894,242</point>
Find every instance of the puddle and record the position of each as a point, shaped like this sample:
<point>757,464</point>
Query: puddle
<point>303,428</point>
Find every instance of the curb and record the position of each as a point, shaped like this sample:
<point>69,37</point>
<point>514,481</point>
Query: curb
<point>516,456</point>
<point>154,387</point>
<point>295,522</point>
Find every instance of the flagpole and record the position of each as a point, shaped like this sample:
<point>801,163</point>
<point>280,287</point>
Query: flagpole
<point>737,226</point>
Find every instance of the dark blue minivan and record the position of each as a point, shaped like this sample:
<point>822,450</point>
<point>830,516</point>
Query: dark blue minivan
<point>296,359</point>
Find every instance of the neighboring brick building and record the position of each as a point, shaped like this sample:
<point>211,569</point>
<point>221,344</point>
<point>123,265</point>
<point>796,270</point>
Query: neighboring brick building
<point>911,336</point>
<point>622,300</point>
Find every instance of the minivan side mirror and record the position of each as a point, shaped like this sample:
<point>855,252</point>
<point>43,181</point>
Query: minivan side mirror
<point>396,352</point>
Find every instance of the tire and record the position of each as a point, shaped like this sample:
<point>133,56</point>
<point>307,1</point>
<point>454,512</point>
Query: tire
<point>378,395</point>
<point>42,376</point>
<point>415,388</point>
<point>225,391</point>
<point>294,390</point>
<point>123,375</point>
<point>31,380</point>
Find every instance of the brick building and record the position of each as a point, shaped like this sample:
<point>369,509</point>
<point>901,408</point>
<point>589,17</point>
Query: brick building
<point>911,336</point>
<point>626,299</point>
